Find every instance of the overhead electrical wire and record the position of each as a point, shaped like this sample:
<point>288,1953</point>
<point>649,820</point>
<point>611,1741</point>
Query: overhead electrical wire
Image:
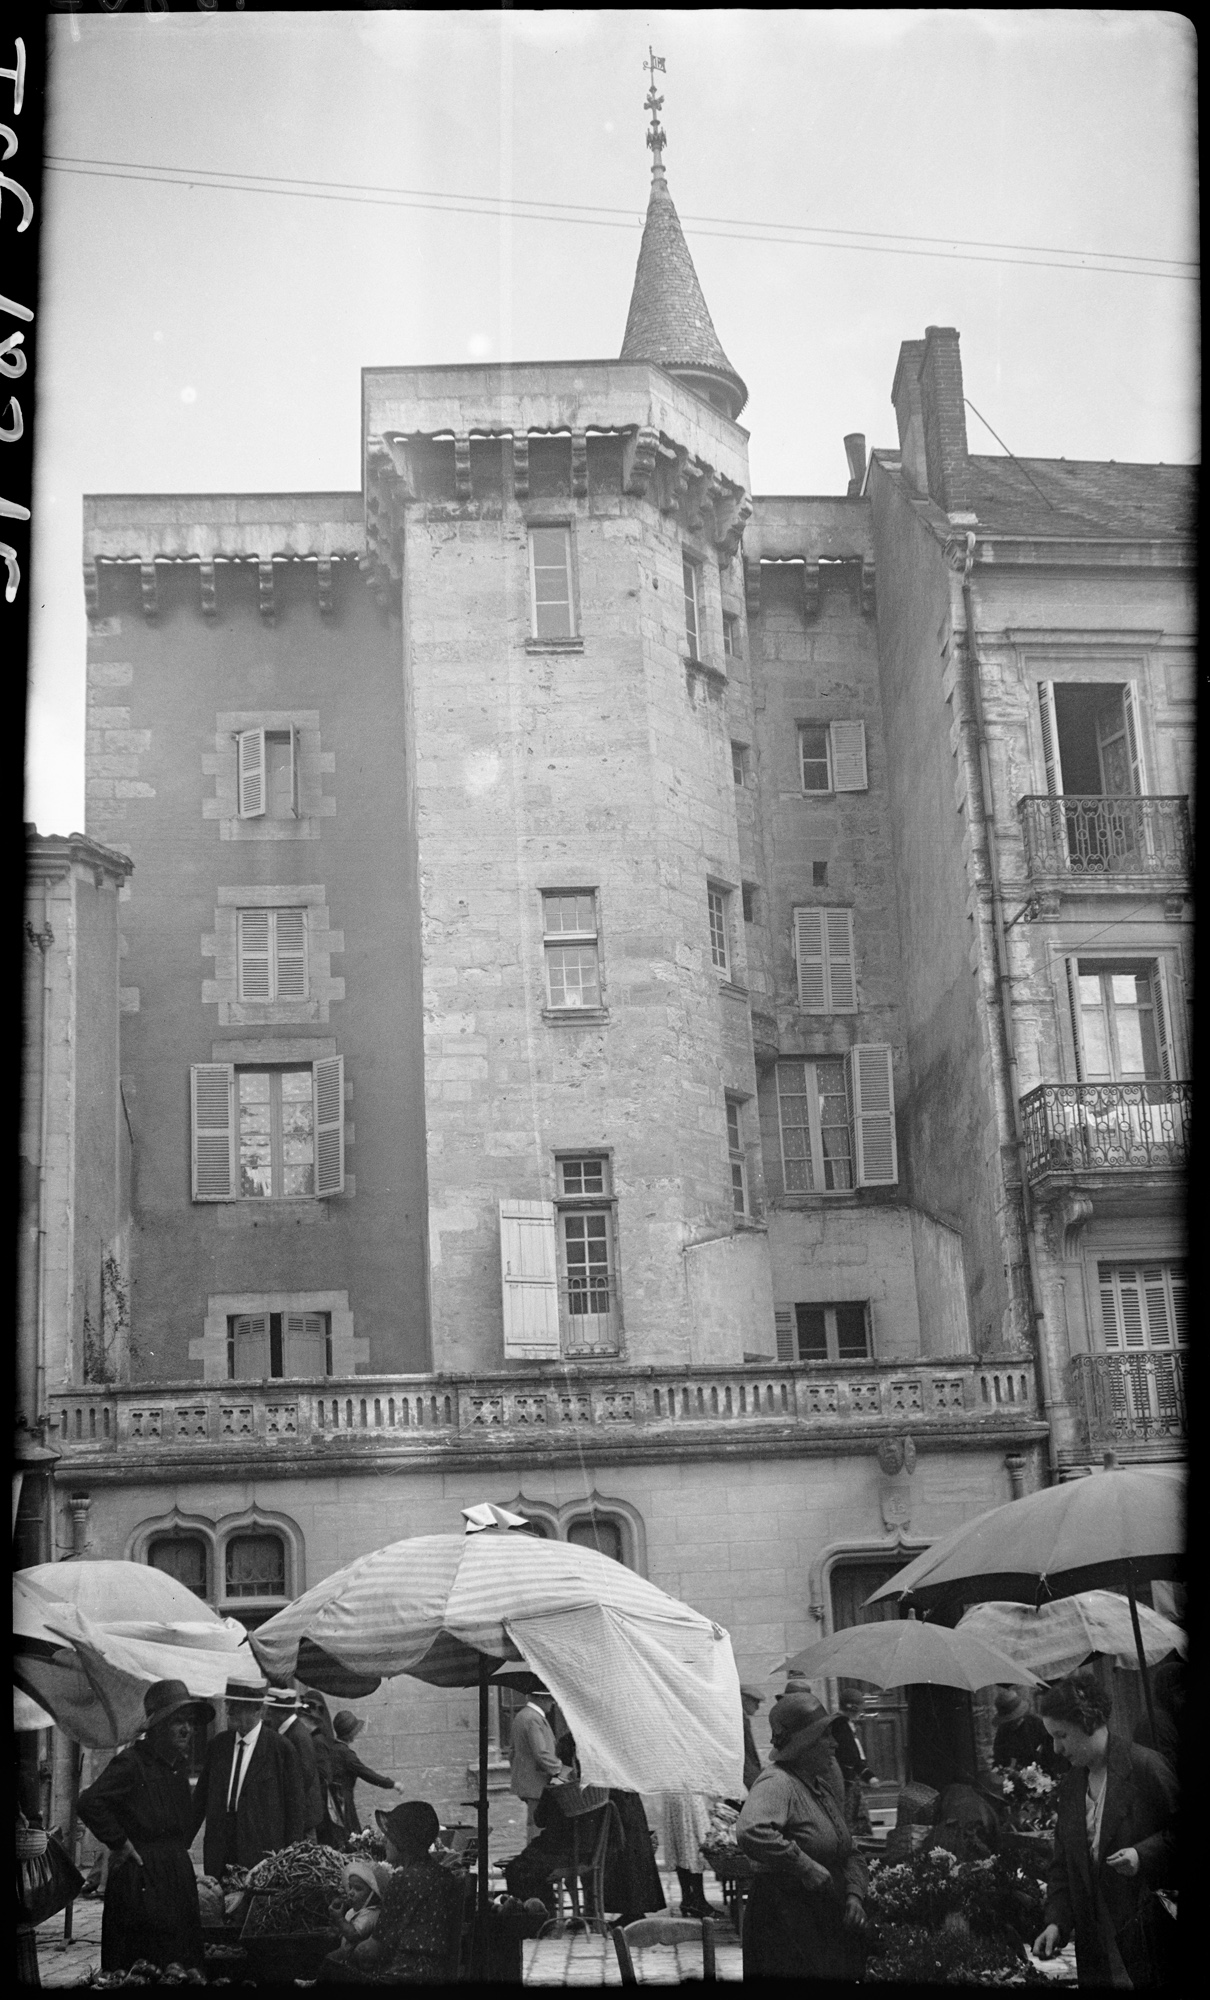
<point>727,229</point>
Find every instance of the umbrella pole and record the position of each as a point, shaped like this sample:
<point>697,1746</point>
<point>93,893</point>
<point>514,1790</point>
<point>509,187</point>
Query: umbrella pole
<point>1138,1643</point>
<point>485,1669</point>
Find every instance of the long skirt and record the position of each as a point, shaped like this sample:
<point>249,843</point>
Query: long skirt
<point>152,1911</point>
<point>632,1880</point>
<point>681,1820</point>
<point>794,1933</point>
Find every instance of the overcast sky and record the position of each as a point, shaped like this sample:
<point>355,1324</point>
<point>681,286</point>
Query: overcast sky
<point>202,339</point>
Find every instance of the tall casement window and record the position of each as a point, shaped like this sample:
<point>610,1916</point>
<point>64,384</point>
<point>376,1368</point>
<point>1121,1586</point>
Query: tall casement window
<point>836,1122</point>
<point>718,911</point>
<point>832,756</point>
<point>694,620</point>
<point>740,761</point>
<point>571,946</point>
<point>267,773</point>
<point>272,1345</point>
<point>552,612</point>
<point>272,954</point>
<point>730,636</point>
<point>1118,1016</point>
<point>268,1133</point>
<point>737,1156</point>
<point>1091,738</point>
<point>837,1331</point>
<point>560,1291</point>
<point>255,1577</point>
<point>824,953</point>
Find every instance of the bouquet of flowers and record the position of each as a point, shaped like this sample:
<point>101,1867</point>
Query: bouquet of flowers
<point>1032,1802</point>
<point>935,1919</point>
<point>719,1837</point>
<point>368,1845</point>
<point>912,1955</point>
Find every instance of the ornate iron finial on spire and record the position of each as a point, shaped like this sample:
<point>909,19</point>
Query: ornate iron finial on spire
<point>657,138</point>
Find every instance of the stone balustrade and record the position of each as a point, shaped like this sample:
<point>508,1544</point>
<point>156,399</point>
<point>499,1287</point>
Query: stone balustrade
<point>547,1408</point>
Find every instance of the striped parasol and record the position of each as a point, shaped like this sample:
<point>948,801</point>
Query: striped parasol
<point>648,1685</point>
<point>1055,1638</point>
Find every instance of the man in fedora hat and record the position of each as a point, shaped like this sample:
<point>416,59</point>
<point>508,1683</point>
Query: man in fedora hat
<point>806,1907</point>
<point>250,1791</point>
<point>284,1712</point>
<point>534,1760</point>
<point>141,1808</point>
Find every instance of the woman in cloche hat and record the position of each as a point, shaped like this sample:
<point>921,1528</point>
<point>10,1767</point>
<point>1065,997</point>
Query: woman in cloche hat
<point>140,1806</point>
<point>806,1907</point>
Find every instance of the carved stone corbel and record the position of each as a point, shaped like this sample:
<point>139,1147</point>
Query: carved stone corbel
<point>752,588</point>
<point>264,571</point>
<point>867,590</point>
<point>147,586</point>
<point>638,461</point>
<point>521,467</point>
<point>462,466</point>
<point>324,579</point>
<point>810,591</point>
<point>92,590</point>
<point>1072,1213</point>
<point>206,575</point>
<point>731,517</point>
<point>579,465</point>
<point>388,491</point>
<point>675,481</point>
<point>695,494</point>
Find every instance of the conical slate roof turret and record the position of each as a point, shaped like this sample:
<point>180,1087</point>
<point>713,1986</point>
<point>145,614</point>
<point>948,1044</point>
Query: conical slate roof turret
<point>669,321</point>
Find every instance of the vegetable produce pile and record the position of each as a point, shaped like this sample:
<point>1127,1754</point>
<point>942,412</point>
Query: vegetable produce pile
<point>307,1877</point>
<point>144,1973</point>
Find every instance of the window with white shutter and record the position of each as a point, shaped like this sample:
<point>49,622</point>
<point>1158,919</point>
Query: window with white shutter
<point>872,1101</point>
<point>271,1346</point>
<point>250,772</point>
<point>267,1134</point>
<point>1143,1306</point>
<point>304,1344</point>
<point>248,1355</point>
<point>832,757</point>
<point>272,954</point>
<point>529,1280</point>
<point>827,970</point>
<point>783,1322</point>
<point>212,1101</point>
<point>815,1125</point>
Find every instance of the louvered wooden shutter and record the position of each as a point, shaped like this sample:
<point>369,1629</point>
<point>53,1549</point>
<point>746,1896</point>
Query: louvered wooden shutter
<point>783,1320</point>
<point>848,757</point>
<point>294,772</point>
<point>212,1100</point>
<point>812,970</point>
<point>1159,1004</point>
<point>250,761</point>
<point>529,1280</point>
<point>1180,1305</point>
<point>290,954</point>
<point>872,1104</point>
<point>1134,738</point>
<point>328,1084</point>
<point>841,966</point>
<point>255,955</point>
<point>1050,739</point>
<point>1072,968</point>
<point>304,1344</point>
<point>252,1348</point>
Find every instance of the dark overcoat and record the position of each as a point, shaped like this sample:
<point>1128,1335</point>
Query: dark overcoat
<point>271,1803</point>
<point>1088,1900</point>
<point>151,1906</point>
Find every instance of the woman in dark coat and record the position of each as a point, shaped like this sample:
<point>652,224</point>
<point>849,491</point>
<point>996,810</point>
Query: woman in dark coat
<point>1115,1843</point>
<point>140,1806</point>
<point>806,1908</point>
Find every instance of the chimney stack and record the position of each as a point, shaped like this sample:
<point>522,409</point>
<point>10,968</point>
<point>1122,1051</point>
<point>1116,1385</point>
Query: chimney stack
<point>854,451</point>
<point>947,464</point>
<point>905,395</point>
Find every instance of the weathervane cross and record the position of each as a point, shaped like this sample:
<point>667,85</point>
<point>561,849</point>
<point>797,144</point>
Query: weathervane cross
<point>657,139</point>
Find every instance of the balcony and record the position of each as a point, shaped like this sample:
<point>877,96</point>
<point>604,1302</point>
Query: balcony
<point>1132,1399</point>
<point>1095,842</point>
<point>1105,1131</point>
<point>542,1413</point>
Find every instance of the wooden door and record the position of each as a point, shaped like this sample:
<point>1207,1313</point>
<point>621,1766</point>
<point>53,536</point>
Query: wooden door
<point>884,1724</point>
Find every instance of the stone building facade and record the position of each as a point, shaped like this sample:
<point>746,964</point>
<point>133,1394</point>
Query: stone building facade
<point>539,988</point>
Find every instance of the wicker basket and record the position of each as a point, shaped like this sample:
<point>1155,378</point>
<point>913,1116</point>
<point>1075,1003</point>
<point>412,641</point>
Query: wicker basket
<point>31,1843</point>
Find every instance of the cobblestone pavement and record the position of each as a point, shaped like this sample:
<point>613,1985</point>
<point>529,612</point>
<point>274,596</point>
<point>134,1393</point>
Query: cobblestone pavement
<point>62,1964</point>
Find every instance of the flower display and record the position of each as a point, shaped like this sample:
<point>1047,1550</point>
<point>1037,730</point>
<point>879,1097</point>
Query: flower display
<point>1030,1793</point>
<point>937,1920</point>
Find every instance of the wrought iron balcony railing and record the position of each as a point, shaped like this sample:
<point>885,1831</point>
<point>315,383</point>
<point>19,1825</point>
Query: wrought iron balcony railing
<point>1078,1128</point>
<point>1132,1398</point>
<point>1096,836</point>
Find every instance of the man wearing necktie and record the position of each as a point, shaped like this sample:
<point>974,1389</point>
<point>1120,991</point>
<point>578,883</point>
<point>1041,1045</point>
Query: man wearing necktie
<point>250,1791</point>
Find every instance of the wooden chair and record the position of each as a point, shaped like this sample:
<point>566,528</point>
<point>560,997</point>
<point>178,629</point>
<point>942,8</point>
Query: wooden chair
<point>662,1930</point>
<point>590,1835</point>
